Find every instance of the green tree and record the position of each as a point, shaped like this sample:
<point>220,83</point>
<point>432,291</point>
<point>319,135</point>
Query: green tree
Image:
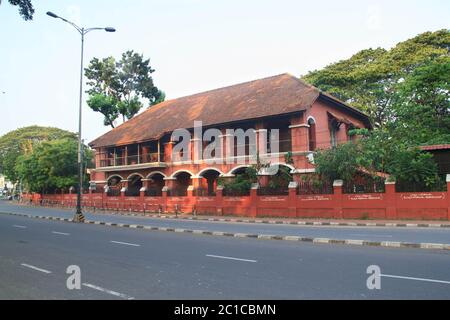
<point>375,153</point>
<point>22,141</point>
<point>422,108</point>
<point>341,162</point>
<point>117,88</point>
<point>52,165</point>
<point>26,9</point>
<point>369,80</point>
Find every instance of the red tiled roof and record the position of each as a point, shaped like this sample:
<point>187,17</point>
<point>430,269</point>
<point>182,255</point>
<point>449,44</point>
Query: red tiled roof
<point>435,147</point>
<point>275,95</point>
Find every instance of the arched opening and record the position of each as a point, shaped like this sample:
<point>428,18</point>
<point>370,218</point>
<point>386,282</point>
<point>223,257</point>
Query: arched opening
<point>134,185</point>
<point>208,182</point>
<point>277,181</point>
<point>312,134</point>
<point>114,186</point>
<point>240,182</point>
<point>181,183</point>
<point>155,184</point>
<point>239,170</point>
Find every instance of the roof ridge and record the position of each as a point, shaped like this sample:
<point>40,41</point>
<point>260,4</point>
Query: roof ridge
<point>209,91</point>
<point>228,87</point>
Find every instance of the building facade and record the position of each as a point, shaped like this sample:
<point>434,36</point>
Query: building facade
<point>139,154</point>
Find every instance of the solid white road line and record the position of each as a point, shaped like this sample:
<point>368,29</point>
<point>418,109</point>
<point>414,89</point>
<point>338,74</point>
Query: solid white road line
<point>416,279</point>
<point>114,293</point>
<point>126,243</point>
<point>35,268</point>
<point>61,233</point>
<point>230,258</point>
<point>18,226</point>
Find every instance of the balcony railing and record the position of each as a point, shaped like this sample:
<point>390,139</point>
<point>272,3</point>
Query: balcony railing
<point>130,160</point>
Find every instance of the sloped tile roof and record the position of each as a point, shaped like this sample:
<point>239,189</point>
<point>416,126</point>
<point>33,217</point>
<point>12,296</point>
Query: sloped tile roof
<point>275,95</point>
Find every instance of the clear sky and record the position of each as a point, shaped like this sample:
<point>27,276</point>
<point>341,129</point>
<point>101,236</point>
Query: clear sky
<point>194,45</point>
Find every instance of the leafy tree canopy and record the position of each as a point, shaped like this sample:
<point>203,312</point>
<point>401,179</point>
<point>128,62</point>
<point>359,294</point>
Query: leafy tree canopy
<point>26,9</point>
<point>117,88</point>
<point>51,166</point>
<point>22,141</point>
<point>369,80</point>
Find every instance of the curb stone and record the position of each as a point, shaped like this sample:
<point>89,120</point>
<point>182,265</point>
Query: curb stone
<point>386,244</point>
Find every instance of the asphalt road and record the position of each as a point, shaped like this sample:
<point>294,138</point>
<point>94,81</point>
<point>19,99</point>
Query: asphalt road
<point>414,235</point>
<point>122,263</point>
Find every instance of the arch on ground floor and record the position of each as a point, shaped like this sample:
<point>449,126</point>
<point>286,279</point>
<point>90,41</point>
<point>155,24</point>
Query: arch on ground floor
<point>291,167</point>
<point>238,169</point>
<point>204,171</point>
<point>208,180</point>
<point>114,180</point>
<point>153,173</point>
<point>135,174</point>
<point>134,184</point>
<point>178,172</point>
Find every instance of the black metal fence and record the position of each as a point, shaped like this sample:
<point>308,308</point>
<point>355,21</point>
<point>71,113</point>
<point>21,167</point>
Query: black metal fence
<point>419,187</point>
<point>235,192</point>
<point>113,193</point>
<point>315,187</point>
<point>132,193</point>
<point>153,192</point>
<point>202,192</point>
<point>364,186</point>
<point>270,191</point>
<point>177,192</point>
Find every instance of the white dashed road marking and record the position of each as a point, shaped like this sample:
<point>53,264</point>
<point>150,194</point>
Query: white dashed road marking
<point>416,279</point>
<point>114,293</point>
<point>35,268</point>
<point>61,233</point>
<point>18,226</point>
<point>126,243</point>
<point>230,258</point>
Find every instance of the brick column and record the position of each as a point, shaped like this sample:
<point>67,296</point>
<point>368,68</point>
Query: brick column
<point>292,202</point>
<point>254,200</point>
<point>299,134</point>
<point>164,198</point>
<point>219,200</point>
<point>391,207</point>
<point>448,196</point>
<point>168,147</point>
<point>122,194</point>
<point>196,182</point>
<point>337,188</point>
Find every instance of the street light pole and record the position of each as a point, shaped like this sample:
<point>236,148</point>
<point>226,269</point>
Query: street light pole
<point>79,217</point>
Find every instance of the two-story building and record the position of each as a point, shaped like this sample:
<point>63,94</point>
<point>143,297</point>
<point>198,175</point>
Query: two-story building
<point>138,155</point>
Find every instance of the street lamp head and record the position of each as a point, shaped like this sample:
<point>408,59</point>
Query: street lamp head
<point>51,14</point>
<point>109,29</point>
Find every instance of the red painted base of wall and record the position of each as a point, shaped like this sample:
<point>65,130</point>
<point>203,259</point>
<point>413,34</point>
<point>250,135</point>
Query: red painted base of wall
<point>385,206</point>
